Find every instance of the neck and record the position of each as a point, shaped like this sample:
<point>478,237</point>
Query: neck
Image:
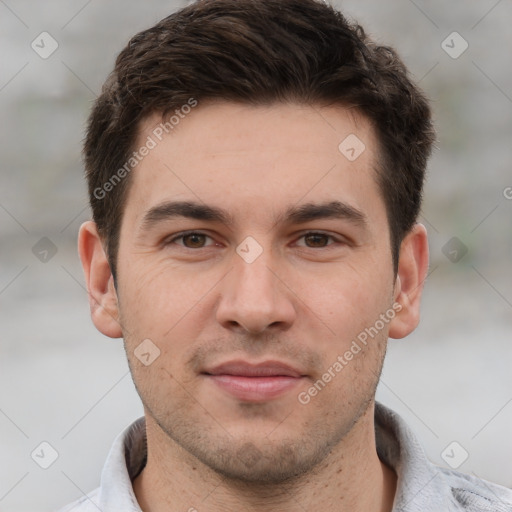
<point>351,478</point>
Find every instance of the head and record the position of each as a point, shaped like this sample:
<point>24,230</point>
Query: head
<point>295,149</point>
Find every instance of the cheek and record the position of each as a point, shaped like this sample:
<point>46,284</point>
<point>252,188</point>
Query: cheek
<point>158,295</point>
<point>349,299</point>
<point>171,310</point>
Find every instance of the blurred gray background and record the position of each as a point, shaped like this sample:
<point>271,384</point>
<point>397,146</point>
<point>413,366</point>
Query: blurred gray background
<point>63,383</point>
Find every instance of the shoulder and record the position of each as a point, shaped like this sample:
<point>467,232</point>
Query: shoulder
<point>425,487</point>
<point>83,504</point>
<point>474,494</point>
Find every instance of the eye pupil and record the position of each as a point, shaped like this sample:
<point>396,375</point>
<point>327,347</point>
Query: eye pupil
<point>197,240</point>
<point>318,239</point>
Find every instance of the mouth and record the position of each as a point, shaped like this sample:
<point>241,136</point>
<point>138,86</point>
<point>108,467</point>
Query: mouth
<point>255,382</point>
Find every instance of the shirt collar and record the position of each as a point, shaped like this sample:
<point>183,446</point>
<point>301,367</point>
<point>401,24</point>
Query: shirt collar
<point>419,487</point>
<point>125,461</point>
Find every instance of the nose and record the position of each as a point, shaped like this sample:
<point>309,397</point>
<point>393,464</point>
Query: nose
<point>254,298</point>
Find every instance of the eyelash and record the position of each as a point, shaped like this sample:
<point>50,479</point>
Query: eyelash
<point>181,236</point>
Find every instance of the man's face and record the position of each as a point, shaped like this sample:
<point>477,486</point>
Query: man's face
<point>249,314</point>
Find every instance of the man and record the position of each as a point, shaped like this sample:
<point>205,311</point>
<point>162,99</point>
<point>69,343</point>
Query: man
<point>255,171</point>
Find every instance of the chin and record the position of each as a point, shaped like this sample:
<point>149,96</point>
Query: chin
<point>269,463</point>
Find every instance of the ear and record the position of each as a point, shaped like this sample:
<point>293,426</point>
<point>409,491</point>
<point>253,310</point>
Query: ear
<point>412,272</point>
<point>99,281</point>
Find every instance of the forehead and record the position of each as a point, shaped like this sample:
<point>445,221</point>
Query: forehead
<point>257,157</point>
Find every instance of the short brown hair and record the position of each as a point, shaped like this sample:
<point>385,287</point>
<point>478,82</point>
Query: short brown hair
<point>259,52</point>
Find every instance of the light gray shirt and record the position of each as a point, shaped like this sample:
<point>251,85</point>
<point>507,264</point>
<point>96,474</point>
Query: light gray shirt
<point>421,486</point>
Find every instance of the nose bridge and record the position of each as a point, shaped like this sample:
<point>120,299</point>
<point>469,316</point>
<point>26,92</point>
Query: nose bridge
<point>252,296</point>
<point>253,281</point>
<point>256,277</point>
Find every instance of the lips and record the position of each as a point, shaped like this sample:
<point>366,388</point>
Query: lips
<point>245,369</point>
<point>255,382</point>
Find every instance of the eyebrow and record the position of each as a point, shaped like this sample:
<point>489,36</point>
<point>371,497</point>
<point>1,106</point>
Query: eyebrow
<point>293,215</point>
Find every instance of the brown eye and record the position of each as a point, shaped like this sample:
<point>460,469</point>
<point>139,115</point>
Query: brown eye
<point>317,240</point>
<point>194,240</point>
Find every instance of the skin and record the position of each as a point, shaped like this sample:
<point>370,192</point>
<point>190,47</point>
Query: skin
<point>302,301</point>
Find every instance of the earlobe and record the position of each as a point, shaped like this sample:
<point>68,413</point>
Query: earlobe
<point>99,281</point>
<point>412,272</point>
